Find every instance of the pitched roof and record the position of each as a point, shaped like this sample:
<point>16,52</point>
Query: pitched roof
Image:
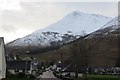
<point>18,65</point>
<point>72,68</point>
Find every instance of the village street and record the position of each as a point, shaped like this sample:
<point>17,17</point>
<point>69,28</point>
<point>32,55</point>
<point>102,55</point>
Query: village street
<point>48,75</point>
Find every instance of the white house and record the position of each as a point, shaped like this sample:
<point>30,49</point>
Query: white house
<point>2,59</point>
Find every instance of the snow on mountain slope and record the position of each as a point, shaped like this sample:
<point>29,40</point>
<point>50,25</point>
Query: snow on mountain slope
<point>77,22</point>
<point>111,27</point>
<point>63,31</point>
<point>43,39</point>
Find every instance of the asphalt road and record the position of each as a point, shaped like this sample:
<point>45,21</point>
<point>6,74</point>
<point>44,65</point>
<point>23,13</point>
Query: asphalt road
<point>48,75</point>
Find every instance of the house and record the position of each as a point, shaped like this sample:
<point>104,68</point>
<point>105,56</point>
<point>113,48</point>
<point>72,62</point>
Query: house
<point>109,70</point>
<point>69,68</point>
<point>22,66</point>
<point>2,59</point>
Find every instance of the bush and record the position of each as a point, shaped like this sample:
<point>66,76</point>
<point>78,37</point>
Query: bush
<point>20,76</point>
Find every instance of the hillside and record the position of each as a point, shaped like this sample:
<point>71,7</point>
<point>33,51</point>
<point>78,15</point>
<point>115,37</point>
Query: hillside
<point>68,29</point>
<point>100,48</point>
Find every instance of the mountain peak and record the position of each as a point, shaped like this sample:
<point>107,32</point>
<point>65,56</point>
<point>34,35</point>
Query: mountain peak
<point>65,30</point>
<point>78,22</point>
<point>77,13</point>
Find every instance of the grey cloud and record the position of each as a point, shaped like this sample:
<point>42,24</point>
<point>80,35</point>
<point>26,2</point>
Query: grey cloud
<point>8,28</point>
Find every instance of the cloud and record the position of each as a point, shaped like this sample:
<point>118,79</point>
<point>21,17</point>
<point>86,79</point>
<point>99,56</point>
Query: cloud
<point>7,29</point>
<point>31,16</point>
<point>109,9</point>
<point>69,0</point>
<point>9,5</point>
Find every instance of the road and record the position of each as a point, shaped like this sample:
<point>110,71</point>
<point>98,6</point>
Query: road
<point>48,75</point>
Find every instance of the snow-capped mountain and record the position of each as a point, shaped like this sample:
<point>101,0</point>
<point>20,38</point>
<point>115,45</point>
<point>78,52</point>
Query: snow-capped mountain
<point>77,22</point>
<point>66,30</point>
<point>43,39</point>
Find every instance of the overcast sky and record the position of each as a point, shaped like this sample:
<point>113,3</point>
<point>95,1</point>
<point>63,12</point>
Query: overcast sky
<point>22,18</point>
